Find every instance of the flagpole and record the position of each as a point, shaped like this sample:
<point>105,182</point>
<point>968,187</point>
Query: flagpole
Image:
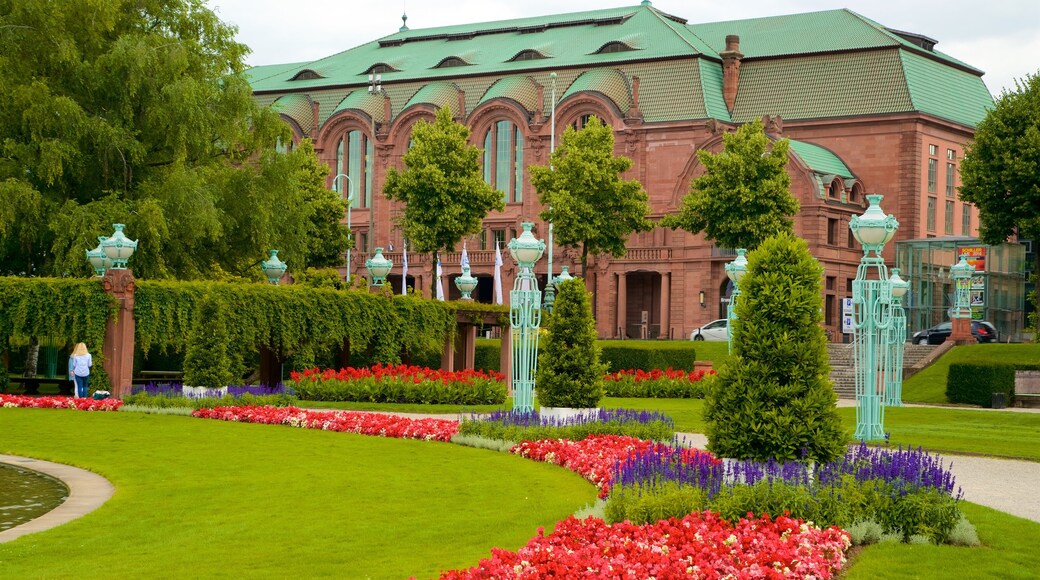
<point>550,292</point>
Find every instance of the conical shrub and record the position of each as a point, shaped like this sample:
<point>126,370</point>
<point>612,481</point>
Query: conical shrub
<point>206,362</point>
<point>570,373</point>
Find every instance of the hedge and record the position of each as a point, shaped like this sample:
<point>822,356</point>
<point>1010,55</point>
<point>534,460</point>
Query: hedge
<point>975,383</point>
<point>617,354</point>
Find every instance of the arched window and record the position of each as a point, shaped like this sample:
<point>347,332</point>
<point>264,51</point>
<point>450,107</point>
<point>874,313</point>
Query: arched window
<point>528,54</point>
<point>451,61</point>
<point>504,160</point>
<point>614,47</point>
<point>380,68</point>
<point>354,156</point>
<point>282,147</point>
<point>306,75</point>
<point>581,121</point>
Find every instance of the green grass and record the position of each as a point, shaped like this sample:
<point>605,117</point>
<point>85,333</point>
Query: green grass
<point>929,385</point>
<point>407,407</point>
<point>1008,551</point>
<point>688,414</point>
<point>200,498</point>
<point>716,352</point>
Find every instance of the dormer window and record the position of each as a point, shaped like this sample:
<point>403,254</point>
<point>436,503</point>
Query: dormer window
<point>306,75</point>
<point>451,61</point>
<point>527,55</point>
<point>380,68</point>
<point>615,46</point>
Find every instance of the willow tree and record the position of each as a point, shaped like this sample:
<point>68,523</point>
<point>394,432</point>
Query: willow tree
<point>744,195</point>
<point>141,113</point>
<point>442,186</point>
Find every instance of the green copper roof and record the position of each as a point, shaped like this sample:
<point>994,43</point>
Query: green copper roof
<point>711,87</point>
<point>297,107</point>
<point>362,100</point>
<point>520,89</point>
<point>820,160</point>
<point>944,92</point>
<point>610,82</point>
<point>437,94</point>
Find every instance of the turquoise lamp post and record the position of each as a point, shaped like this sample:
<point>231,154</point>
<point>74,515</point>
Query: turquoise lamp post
<point>466,284</point>
<point>98,259</point>
<point>273,268</point>
<point>961,274</point>
<point>735,270</point>
<point>896,341</point>
<point>872,317</point>
<point>118,247</point>
<point>563,276</point>
<point>525,316</point>
<point>378,267</point>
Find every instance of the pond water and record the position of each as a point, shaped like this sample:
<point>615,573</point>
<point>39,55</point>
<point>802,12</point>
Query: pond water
<point>26,495</point>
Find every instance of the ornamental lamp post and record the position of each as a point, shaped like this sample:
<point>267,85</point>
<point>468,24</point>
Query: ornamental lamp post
<point>550,290</point>
<point>872,317</point>
<point>466,283</point>
<point>378,267</point>
<point>118,247</point>
<point>98,259</point>
<point>735,271</point>
<point>896,341</point>
<point>562,277</point>
<point>273,268</point>
<point>525,316</point>
<point>350,204</point>
<point>960,319</point>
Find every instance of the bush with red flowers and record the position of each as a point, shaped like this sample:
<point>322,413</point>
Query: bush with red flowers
<point>656,383</point>
<point>378,424</point>
<point>60,403</point>
<point>700,545</point>
<point>401,384</point>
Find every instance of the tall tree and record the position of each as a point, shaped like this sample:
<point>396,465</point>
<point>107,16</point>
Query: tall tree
<point>1000,172</point>
<point>442,186</point>
<point>591,208</point>
<point>744,195</point>
<point>138,112</point>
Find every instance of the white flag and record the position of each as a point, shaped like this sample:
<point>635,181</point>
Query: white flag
<point>464,261</point>
<point>404,268</point>
<point>440,283</point>
<point>498,274</point>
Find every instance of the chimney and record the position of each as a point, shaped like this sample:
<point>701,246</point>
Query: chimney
<point>634,111</point>
<point>462,106</point>
<point>314,120</point>
<point>539,115</point>
<point>386,109</point>
<point>731,70</point>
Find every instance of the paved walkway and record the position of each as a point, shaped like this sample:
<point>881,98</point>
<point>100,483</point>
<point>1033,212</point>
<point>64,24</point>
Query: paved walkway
<point>87,492</point>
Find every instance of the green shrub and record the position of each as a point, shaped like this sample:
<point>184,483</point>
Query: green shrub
<point>647,355</point>
<point>865,532</point>
<point>926,512</point>
<point>570,373</point>
<point>145,400</point>
<point>657,384</point>
<point>653,430</point>
<point>206,362</point>
<point>487,355</point>
<point>773,397</point>
<point>975,383</point>
<point>963,534</point>
<point>650,504</point>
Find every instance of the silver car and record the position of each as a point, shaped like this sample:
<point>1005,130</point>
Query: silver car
<point>716,331</point>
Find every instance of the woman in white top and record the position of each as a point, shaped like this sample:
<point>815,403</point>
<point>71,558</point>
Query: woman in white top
<point>79,368</point>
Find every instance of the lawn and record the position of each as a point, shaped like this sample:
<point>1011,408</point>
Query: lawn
<point>202,498</point>
<point>929,385</point>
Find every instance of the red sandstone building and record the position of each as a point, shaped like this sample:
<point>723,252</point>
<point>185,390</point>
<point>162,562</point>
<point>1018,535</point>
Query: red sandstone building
<point>868,109</point>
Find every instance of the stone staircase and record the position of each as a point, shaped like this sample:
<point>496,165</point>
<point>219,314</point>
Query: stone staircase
<point>843,373</point>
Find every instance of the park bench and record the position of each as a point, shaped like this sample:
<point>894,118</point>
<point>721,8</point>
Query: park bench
<point>31,385</point>
<point>1027,388</point>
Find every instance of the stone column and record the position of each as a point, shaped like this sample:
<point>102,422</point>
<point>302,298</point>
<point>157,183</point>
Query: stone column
<point>621,314</point>
<point>468,345</point>
<point>666,306</point>
<point>118,349</point>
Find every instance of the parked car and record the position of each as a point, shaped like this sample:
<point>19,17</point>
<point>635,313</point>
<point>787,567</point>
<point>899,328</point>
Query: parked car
<point>982,331</point>
<point>716,330</point>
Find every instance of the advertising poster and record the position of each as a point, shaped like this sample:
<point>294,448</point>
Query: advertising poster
<point>975,255</point>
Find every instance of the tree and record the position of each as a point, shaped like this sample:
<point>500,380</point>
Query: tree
<point>772,396</point>
<point>591,208</point>
<point>442,186</point>
<point>1000,172</point>
<point>570,372</point>
<point>206,360</point>
<point>139,113</point>
<point>744,195</point>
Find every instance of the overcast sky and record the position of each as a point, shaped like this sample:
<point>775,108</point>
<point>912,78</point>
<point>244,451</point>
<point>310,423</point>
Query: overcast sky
<point>1000,37</point>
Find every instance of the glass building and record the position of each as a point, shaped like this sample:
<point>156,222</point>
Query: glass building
<point>998,287</point>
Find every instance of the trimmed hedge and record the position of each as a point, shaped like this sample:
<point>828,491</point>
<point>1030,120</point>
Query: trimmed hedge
<point>975,383</point>
<point>617,354</point>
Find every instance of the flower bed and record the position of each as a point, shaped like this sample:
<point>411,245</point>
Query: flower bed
<point>166,395</point>
<point>60,403</point>
<point>512,426</point>
<point>376,424</point>
<point>674,384</point>
<point>401,384</point>
<point>596,457</point>
<point>700,545</point>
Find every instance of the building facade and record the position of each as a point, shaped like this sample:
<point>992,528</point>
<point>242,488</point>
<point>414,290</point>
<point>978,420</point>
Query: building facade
<point>868,109</point>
